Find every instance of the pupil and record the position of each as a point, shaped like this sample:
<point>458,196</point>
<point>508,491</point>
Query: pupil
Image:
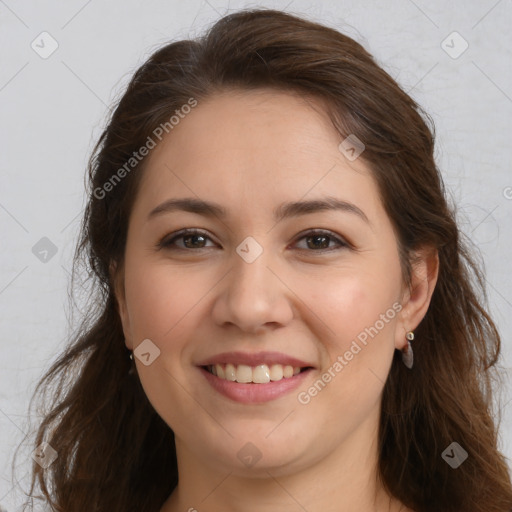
<point>188,237</point>
<point>323,237</point>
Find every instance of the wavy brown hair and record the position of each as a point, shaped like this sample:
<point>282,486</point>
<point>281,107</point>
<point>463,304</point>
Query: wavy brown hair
<point>114,452</point>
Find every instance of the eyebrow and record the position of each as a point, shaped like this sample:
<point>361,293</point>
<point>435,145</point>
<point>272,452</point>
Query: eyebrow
<point>284,211</point>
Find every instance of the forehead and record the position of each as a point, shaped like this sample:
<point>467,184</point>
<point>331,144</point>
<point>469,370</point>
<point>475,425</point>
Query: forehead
<point>262,147</point>
<point>256,120</point>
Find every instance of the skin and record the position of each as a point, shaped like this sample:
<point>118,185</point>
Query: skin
<point>251,151</point>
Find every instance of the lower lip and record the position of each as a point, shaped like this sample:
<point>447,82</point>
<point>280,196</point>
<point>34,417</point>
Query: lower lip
<point>254,393</point>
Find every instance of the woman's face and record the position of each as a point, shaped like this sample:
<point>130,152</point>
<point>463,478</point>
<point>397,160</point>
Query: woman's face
<point>265,285</point>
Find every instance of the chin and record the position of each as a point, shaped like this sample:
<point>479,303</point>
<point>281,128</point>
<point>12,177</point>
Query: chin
<point>258,455</point>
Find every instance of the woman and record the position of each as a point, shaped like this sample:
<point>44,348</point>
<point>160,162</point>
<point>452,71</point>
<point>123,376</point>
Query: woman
<point>271,241</point>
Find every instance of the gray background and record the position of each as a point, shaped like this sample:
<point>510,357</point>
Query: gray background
<point>53,109</point>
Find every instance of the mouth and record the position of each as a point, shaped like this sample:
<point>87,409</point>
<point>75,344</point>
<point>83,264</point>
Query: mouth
<point>259,374</point>
<point>254,384</point>
<point>254,377</point>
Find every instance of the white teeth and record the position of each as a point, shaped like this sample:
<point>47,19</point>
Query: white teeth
<point>261,374</point>
<point>243,373</point>
<point>276,372</point>
<point>219,371</point>
<point>288,372</point>
<point>230,372</point>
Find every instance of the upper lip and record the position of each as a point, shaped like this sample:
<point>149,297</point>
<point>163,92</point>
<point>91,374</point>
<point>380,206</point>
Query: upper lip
<point>254,359</point>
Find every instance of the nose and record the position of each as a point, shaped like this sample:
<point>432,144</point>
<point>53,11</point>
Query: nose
<point>253,296</point>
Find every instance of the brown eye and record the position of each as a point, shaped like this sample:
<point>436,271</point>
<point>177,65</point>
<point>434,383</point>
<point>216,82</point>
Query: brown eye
<point>316,241</point>
<point>192,239</point>
<point>319,241</point>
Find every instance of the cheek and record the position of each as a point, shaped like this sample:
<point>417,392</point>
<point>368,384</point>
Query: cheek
<point>356,308</point>
<point>161,307</point>
<point>349,302</point>
<point>358,346</point>
<point>151,297</point>
<point>162,299</point>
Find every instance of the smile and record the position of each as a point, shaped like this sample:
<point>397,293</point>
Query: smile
<point>249,391</point>
<point>260,374</point>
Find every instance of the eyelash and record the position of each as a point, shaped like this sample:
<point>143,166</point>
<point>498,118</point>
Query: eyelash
<point>167,243</point>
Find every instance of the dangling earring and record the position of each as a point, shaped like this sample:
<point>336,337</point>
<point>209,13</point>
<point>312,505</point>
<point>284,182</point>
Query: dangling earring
<point>407,353</point>
<point>131,371</point>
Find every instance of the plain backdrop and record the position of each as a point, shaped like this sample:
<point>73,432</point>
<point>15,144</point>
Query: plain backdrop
<point>53,107</point>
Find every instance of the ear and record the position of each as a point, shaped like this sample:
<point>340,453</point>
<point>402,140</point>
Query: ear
<point>416,299</point>
<point>117,278</point>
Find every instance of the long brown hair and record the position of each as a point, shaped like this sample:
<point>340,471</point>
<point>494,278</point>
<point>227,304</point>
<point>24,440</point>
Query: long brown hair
<point>114,452</point>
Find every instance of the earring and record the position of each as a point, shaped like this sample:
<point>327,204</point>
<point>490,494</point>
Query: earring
<point>131,371</point>
<point>407,353</point>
